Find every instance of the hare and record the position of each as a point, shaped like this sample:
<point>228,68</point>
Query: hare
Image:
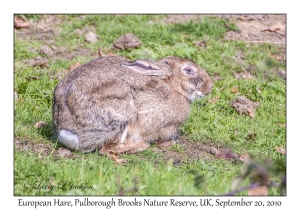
<point>117,105</point>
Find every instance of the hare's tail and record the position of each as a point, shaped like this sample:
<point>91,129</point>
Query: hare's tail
<point>69,139</point>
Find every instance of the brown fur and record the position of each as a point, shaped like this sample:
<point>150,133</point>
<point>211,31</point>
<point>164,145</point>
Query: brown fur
<point>111,107</point>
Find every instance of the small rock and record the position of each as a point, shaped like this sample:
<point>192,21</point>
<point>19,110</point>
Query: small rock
<point>38,61</point>
<point>243,105</point>
<point>282,74</point>
<point>46,50</point>
<point>16,96</point>
<point>40,124</point>
<point>78,31</point>
<point>127,41</point>
<point>226,153</point>
<point>200,44</point>
<point>216,77</point>
<point>176,162</point>
<point>281,150</point>
<point>63,153</point>
<point>243,75</point>
<point>54,48</point>
<point>91,37</point>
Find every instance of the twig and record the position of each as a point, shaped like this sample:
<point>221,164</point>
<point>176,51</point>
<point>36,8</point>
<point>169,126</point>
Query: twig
<point>24,18</point>
<point>253,185</point>
<point>101,54</point>
<point>266,42</point>
<point>123,191</point>
<point>241,189</point>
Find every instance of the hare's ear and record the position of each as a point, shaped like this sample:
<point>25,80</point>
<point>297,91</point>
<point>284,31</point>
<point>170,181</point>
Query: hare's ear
<point>143,67</point>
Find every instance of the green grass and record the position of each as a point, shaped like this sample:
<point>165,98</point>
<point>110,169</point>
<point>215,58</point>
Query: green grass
<point>211,123</point>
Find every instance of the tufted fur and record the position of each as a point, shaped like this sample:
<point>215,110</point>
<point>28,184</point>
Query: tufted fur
<point>120,105</point>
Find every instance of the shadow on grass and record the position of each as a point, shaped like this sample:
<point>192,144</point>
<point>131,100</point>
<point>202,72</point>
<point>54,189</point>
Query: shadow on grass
<point>48,131</point>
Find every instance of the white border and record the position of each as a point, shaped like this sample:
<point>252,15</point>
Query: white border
<point>154,6</point>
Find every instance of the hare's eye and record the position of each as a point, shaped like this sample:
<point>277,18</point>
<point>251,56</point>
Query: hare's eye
<point>166,62</point>
<point>189,70</point>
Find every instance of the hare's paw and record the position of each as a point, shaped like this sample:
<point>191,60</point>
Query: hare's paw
<point>69,139</point>
<point>165,144</point>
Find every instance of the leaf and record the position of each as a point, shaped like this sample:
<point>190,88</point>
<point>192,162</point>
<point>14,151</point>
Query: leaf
<point>227,154</point>
<point>77,64</point>
<point>250,17</point>
<point>101,54</point>
<point>258,90</point>
<point>20,23</point>
<point>261,190</point>
<point>110,53</point>
<point>234,90</point>
<point>91,37</point>
<point>279,57</point>
<point>280,150</point>
<point>213,100</point>
<point>251,112</point>
<point>273,27</point>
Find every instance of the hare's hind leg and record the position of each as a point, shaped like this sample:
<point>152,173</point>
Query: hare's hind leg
<point>113,150</point>
<point>137,147</point>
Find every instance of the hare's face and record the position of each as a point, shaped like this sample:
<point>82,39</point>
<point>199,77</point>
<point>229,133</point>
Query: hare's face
<point>188,78</point>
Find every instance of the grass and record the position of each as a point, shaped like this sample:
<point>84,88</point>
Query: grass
<point>216,123</point>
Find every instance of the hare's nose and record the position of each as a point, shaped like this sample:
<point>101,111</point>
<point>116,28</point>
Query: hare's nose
<point>199,94</point>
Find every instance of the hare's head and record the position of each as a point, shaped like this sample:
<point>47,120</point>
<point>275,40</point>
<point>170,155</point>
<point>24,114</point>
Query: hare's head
<point>188,78</point>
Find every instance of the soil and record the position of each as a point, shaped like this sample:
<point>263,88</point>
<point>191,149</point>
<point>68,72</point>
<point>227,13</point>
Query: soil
<point>256,29</point>
<point>188,151</point>
<point>252,28</point>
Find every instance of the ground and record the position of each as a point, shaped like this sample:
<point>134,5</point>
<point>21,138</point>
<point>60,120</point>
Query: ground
<point>250,30</point>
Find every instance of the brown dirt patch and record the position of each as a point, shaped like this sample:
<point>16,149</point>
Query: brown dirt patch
<point>188,151</point>
<point>39,148</point>
<point>181,18</point>
<point>42,149</point>
<point>45,30</point>
<point>252,28</point>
